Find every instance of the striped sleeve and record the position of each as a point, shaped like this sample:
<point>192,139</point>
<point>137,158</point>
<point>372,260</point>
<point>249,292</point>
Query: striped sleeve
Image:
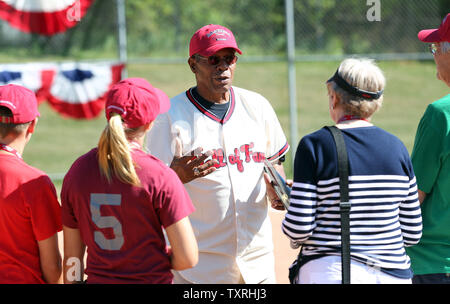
<point>299,221</point>
<point>410,216</point>
<point>280,153</point>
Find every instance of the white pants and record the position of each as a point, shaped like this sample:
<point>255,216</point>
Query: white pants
<point>178,279</point>
<point>327,270</point>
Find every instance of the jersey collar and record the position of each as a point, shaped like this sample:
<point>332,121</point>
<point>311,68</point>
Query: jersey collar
<point>208,113</point>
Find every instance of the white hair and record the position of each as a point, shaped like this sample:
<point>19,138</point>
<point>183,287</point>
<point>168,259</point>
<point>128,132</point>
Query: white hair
<point>365,75</point>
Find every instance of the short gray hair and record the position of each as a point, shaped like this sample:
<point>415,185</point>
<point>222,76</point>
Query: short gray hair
<point>445,47</point>
<point>365,75</point>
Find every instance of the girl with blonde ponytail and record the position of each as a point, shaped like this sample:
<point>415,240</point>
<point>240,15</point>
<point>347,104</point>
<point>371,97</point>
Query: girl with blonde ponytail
<point>116,199</point>
<point>114,153</point>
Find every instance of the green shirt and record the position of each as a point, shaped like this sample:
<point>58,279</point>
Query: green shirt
<point>431,162</point>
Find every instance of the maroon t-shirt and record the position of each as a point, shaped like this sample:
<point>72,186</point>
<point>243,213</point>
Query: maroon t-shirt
<point>121,224</point>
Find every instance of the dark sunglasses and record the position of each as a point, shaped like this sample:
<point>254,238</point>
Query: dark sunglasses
<point>216,60</point>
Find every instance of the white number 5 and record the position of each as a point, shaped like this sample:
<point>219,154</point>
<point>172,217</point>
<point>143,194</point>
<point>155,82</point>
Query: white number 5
<point>98,199</point>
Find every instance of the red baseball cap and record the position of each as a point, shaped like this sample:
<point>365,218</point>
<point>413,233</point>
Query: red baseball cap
<point>437,35</point>
<point>21,101</point>
<point>210,39</point>
<point>137,102</point>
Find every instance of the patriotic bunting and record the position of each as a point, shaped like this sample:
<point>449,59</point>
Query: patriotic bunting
<point>44,17</point>
<point>75,90</point>
<point>35,77</point>
<point>78,90</point>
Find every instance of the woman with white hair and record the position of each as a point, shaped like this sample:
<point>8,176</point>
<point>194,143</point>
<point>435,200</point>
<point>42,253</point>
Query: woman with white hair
<point>385,213</point>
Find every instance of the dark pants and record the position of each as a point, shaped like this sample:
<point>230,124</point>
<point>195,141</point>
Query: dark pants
<point>434,278</point>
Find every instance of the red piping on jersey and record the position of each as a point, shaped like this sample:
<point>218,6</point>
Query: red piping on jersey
<point>279,153</point>
<point>209,114</point>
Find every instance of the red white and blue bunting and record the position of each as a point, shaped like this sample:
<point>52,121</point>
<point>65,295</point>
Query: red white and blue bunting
<point>74,90</point>
<point>36,77</point>
<point>78,90</point>
<point>44,17</point>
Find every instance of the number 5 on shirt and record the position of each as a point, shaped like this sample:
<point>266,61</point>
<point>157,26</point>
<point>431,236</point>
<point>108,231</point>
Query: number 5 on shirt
<point>97,200</point>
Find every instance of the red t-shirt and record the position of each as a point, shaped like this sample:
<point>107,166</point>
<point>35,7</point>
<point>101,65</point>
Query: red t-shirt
<point>121,224</point>
<point>29,212</point>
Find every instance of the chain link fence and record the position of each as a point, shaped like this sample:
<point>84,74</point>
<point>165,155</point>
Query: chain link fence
<point>384,29</point>
<point>160,30</point>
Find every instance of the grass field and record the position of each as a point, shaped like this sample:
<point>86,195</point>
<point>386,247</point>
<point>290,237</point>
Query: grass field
<point>410,87</point>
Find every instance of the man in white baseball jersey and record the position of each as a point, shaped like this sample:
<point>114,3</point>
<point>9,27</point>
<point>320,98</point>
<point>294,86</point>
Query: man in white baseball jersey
<point>238,129</point>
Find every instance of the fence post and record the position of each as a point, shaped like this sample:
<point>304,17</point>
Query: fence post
<point>122,35</point>
<point>290,39</point>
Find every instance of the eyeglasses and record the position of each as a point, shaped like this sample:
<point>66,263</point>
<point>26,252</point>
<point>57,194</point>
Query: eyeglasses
<point>216,60</point>
<point>433,47</point>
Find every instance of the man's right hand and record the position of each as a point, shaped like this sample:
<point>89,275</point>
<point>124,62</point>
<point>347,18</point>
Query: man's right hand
<point>192,165</point>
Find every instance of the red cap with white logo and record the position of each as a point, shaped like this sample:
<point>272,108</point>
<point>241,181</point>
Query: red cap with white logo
<point>210,39</point>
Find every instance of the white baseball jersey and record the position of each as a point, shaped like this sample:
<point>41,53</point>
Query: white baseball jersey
<point>231,220</point>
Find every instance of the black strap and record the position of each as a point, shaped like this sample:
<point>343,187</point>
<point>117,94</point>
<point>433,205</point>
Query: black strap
<point>293,271</point>
<point>344,204</point>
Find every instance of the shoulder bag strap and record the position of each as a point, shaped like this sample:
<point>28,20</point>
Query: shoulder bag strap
<point>344,205</point>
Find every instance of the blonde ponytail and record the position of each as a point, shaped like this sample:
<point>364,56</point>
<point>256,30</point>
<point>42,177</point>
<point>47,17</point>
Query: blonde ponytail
<point>114,154</point>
